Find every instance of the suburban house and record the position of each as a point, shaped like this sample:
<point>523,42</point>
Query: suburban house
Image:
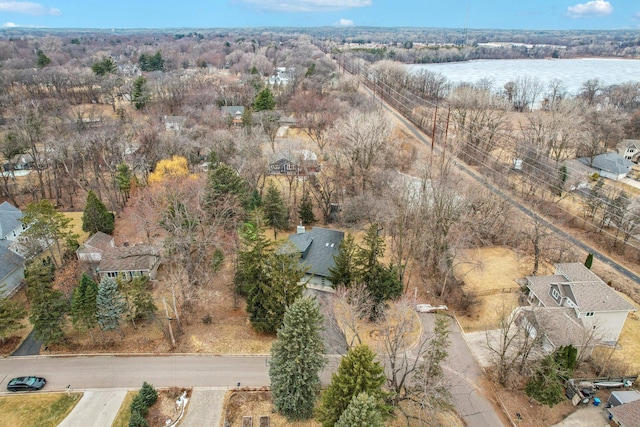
<point>316,249</point>
<point>302,163</point>
<point>574,305</point>
<point>233,114</point>
<point>281,76</point>
<point>11,261</point>
<point>629,149</point>
<point>94,247</point>
<point>609,165</point>
<point>129,261</point>
<point>174,123</point>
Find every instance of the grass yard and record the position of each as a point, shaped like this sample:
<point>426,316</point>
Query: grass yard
<point>40,409</point>
<point>124,413</point>
<point>76,224</point>
<point>490,273</point>
<point>628,348</point>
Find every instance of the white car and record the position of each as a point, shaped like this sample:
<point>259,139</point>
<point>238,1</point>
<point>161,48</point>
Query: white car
<point>428,308</point>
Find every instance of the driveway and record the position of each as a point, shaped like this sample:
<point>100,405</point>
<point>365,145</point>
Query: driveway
<point>97,408</point>
<point>587,416</point>
<point>464,375</point>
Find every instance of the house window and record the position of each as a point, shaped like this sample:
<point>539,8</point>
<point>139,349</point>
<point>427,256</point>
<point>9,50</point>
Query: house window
<point>555,294</point>
<point>112,274</point>
<point>589,314</point>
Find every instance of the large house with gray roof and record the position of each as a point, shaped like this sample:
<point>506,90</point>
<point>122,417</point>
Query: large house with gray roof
<point>11,261</point>
<point>573,303</point>
<point>317,249</point>
<point>609,165</point>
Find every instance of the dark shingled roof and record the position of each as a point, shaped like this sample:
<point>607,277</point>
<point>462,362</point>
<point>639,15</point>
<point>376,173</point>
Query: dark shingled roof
<point>627,415</point>
<point>99,241</point>
<point>9,261</point>
<point>132,258</point>
<point>9,218</point>
<point>318,247</point>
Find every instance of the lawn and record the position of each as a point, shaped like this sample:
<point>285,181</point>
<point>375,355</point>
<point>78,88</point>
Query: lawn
<point>124,413</point>
<point>489,273</point>
<point>628,348</point>
<point>40,409</point>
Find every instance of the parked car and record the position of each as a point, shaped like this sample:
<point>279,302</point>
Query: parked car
<point>428,308</point>
<point>31,383</point>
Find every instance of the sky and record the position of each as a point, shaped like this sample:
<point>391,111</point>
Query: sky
<point>485,14</point>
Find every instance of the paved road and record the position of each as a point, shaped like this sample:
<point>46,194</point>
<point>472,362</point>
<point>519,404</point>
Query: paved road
<point>96,372</point>
<point>464,375</point>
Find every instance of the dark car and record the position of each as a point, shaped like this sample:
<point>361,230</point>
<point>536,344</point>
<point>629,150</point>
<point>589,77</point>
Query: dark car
<point>26,384</point>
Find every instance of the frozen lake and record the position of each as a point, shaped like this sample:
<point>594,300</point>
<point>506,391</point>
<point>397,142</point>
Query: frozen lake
<point>572,72</point>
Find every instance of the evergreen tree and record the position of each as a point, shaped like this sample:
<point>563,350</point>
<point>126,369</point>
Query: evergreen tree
<point>139,95</point>
<point>362,411</point>
<point>358,372</point>
<point>110,305</point>
<point>305,211</point>
<point>296,360</point>
<point>43,60</point>
<point>151,62</point>
<point>123,180</point>
<point>227,193</point>
<point>83,304</point>
<point>105,66</point>
<point>275,211</point>
<point>48,305</point>
<point>264,100</point>
<point>138,298</point>
<point>344,271</point>
<point>96,217</point>
<point>148,394</point>
<point>11,313</point>
<point>546,385</point>
<point>589,261</point>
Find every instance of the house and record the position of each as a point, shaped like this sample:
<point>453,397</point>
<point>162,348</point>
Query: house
<point>10,225</point>
<point>94,247</point>
<point>303,163</point>
<point>627,415</point>
<point>233,114</point>
<point>622,397</point>
<point>629,149</point>
<point>281,76</point>
<point>11,270</point>
<point>317,249</point>
<point>129,261</point>
<point>578,301</point>
<point>609,165</point>
<point>174,123</point>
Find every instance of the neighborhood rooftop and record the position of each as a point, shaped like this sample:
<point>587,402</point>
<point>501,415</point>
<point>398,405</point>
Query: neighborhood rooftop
<point>9,218</point>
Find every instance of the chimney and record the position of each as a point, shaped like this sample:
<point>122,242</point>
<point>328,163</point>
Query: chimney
<point>300,229</point>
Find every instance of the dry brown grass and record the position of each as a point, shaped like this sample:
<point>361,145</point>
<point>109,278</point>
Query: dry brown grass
<point>39,409</point>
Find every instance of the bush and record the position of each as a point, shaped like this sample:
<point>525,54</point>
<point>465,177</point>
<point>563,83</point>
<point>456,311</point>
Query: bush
<point>137,420</point>
<point>148,394</point>
<point>138,406</point>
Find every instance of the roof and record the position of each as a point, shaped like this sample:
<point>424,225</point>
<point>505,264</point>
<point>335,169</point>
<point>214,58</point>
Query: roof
<point>232,109</point>
<point>132,258</point>
<point>609,162</point>
<point>9,218</point>
<point>626,396</point>
<point>98,242</point>
<point>627,415</point>
<point>321,245</point>
<point>629,143</point>
<point>9,261</point>
<point>582,286</point>
<point>559,324</point>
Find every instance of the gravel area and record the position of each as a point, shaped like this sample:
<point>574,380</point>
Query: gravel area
<point>204,408</point>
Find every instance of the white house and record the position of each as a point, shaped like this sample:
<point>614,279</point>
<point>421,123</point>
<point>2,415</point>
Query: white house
<point>575,298</point>
<point>10,225</point>
<point>629,149</point>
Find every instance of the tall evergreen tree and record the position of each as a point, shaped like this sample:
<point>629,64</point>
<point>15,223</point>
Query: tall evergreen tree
<point>305,211</point>
<point>11,314</point>
<point>227,193</point>
<point>589,261</point>
<point>96,217</point>
<point>358,372</point>
<point>264,100</point>
<point>83,304</point>
<point>296,360</point>
<point>363,411</point>
<point>105,66</point>
<point>138,298</point>
<point>275,211</point>
<point>139,93</point>
<point>48,305</point>
<point>123,180</point>
<point>345,271</point>
<point>110,305</point>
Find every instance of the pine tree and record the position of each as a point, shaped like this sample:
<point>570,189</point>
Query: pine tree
<point>589,261</point>
<point>83,304</point>
<point>305,211</point>
<point>296,360</point>
<point>123,180</point>
<point>275,211</point>
<point>363,411</point>
<point>358,372</point>
<point>110,305</point>
<point>344,271</point>
<point>11,313</point>
<point>264,100</point>
<point>48,305</point>
<point>96,217</point>
<point>139,95</point>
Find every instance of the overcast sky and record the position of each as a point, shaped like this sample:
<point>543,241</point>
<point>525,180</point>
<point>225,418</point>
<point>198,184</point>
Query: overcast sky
<point>503,14</point>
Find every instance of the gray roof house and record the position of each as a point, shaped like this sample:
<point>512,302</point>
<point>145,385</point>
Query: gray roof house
<point>578,301</point>
<point>130,261</point>
<point>610,165</point>
<point>627,415</point>
<point>11,262</point>
<point>233,113</point>
<point>317,249</point>
<point>94,247</point>
<point>629,149</point>
<point>174,123</point>
<point>10,225</point>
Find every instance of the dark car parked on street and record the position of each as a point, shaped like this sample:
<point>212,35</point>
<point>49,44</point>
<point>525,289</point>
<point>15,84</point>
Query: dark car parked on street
<point>31,383</point>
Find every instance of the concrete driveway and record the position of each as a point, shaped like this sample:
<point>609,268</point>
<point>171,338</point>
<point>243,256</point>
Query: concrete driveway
<point>586,416</point>
<point>97,408</point>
